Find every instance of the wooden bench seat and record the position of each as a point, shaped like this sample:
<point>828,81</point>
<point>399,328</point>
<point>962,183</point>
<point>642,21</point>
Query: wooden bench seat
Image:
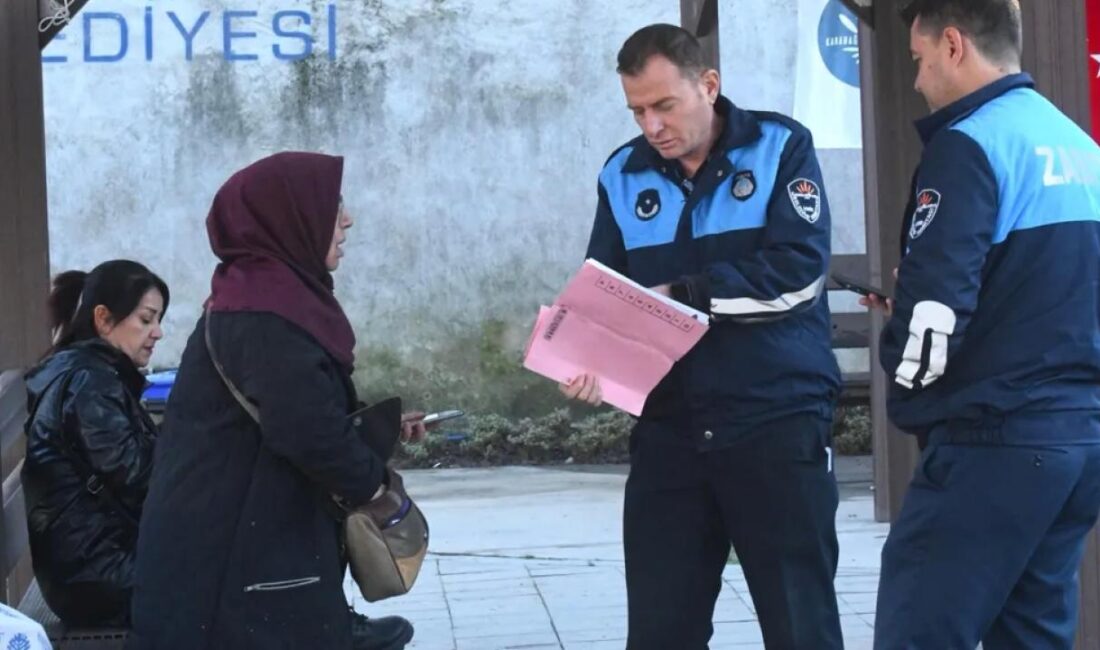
<point>69,639</point>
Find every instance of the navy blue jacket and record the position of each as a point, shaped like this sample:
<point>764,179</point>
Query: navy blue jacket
<point>998,296</point>
<point>747,240</point>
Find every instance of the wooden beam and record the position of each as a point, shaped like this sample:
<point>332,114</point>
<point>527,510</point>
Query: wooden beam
<point>53,16</point>
<point>700,17</point>
<point>1056,55</point>
<point>863,10</point>
<point>24,245</point>
<point>891,151</point>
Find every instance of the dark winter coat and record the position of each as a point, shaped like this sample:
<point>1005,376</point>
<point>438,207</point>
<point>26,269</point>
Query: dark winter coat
<point>240,545</point>
<point>86,473</point>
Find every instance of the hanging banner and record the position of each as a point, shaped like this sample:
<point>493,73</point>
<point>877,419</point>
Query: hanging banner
<point>826,97</point>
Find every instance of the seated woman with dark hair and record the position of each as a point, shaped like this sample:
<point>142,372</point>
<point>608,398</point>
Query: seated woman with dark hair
<point>90,442</point>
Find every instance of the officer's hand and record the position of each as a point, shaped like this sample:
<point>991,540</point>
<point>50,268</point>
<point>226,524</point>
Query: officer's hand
<point>585,388</point>
<point>875,302</point>
<point>662,289</point>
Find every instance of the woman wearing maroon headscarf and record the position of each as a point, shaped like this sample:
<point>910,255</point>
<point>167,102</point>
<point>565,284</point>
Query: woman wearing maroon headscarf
<point>239,546</point>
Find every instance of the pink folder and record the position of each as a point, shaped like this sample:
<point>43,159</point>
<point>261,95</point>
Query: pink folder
<point>607,325</point>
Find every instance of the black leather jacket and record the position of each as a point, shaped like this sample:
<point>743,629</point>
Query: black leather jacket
<point>86,474</point>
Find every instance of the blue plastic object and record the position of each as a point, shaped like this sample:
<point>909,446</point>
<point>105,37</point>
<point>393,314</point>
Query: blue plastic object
<point>160,385</point>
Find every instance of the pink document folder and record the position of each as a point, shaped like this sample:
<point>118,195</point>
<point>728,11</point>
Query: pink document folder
<point>607,325</point>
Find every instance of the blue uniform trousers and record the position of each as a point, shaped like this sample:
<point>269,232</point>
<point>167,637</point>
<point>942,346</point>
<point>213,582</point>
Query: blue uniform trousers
<point>772,495</point>
<point>988,542</point>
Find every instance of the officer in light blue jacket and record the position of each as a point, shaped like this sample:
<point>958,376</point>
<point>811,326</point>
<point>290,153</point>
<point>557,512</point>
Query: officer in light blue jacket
<point>723,209</point>
<point>993,349</point>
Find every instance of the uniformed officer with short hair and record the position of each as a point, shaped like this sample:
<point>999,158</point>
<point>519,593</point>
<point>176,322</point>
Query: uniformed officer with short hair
<point>993,350</point>
<point>723,209</point>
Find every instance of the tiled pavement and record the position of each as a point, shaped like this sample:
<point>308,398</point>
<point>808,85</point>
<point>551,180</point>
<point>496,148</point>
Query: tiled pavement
<point>541,567</point>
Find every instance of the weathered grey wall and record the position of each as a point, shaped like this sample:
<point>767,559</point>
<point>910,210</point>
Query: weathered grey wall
<point>759,41</point>
<point>473,132</point>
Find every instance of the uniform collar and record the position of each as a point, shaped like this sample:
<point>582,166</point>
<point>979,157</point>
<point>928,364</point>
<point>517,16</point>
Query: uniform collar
<point>929,126</point>
<point>739,128</point>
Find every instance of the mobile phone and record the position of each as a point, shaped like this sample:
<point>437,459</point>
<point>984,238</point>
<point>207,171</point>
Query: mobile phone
<point>850,284</point>
<point>442,416</point>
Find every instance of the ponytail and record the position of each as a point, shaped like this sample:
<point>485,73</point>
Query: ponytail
<point>63,303</point>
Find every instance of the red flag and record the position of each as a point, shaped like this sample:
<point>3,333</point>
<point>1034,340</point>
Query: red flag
<point>1092,8</point>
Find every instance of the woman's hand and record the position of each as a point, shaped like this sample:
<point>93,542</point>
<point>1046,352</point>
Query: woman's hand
<point>412,426</point>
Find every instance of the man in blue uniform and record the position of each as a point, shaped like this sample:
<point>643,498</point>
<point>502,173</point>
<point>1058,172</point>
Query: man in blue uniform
<point>993,349</point>
<point>724,210</point>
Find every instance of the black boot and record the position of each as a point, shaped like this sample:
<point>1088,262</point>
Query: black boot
<point>386,633</point>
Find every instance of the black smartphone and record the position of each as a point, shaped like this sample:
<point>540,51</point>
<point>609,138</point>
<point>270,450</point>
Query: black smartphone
<point>845,282</point>
<point>442,416</point>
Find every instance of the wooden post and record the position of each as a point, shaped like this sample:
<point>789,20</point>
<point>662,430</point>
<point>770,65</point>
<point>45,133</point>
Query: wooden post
<point>700,17</point>
<point>24,245</point>
<point>891,151</point>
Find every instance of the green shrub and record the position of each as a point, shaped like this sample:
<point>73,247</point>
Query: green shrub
<point>556,437</point>
<point>564,435</point>
<point>852,430</point>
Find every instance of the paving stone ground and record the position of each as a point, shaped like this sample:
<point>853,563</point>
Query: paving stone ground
<point>531,559</point>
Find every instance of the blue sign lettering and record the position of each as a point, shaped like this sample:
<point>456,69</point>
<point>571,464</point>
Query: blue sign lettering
<point>306,38</point>
<point>47,58</point>
<point>332,32</point>
<point>229,34</point>
<point>123,40</point>
<point>148,33</point>
<point>291,37</point>
<point>189,34</point>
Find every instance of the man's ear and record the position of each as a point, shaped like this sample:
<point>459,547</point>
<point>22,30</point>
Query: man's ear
<point>712,82</point>
<point>958,47</point>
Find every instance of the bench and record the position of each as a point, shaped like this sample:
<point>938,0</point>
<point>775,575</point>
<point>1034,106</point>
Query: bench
<point>20,588</point>
<point>852,331</point>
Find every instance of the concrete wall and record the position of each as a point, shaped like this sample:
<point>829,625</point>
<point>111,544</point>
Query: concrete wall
<point>473,132</point>
<point>759,43</point>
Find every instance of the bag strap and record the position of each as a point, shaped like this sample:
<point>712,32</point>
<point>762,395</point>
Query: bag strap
<point>248,406</point>
<point>93,482</point>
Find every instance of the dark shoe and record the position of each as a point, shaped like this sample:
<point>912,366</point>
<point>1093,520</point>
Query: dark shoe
<point>386,633</point>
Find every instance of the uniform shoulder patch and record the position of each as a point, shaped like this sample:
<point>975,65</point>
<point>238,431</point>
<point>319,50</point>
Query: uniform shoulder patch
<point>806,198</point>
<point>928,203</point>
